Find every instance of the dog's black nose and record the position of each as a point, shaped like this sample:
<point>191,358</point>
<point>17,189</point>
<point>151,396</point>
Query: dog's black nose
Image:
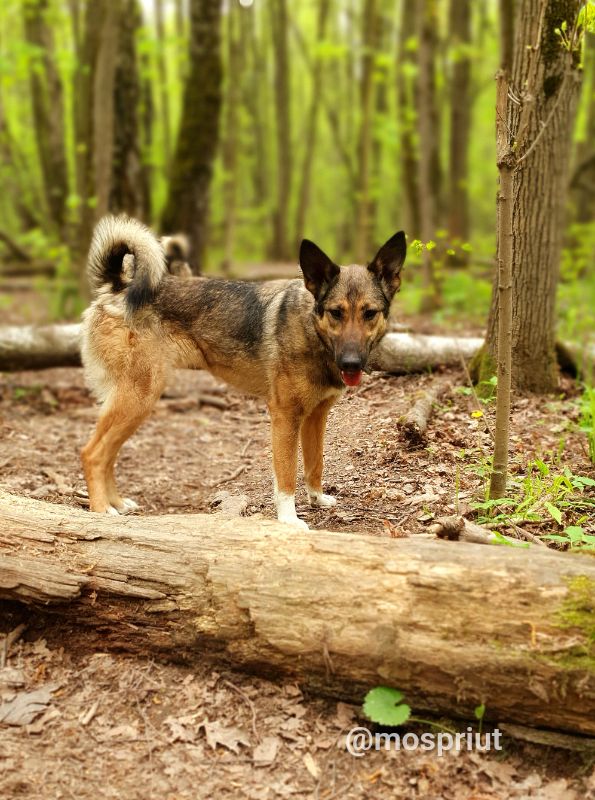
<point>350,363</point>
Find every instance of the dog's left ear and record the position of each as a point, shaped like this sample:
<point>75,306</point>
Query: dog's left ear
<point>386,264</point>
<point>319,271</point>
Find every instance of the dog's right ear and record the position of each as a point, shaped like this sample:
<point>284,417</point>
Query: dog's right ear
<point>319,271</point>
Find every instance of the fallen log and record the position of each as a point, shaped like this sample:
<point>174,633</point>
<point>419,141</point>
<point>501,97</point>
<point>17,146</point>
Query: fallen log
<point>414,423</point>
<point>39,347</point>
<point>453,625</point>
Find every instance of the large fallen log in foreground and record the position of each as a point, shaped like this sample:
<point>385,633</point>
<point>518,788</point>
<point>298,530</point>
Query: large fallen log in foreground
<point>451,624</point>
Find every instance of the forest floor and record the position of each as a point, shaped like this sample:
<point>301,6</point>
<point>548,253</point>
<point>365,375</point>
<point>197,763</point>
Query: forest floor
<point>122,728</point>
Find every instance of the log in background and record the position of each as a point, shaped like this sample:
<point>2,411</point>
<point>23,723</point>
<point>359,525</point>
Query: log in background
<point>451,624</point>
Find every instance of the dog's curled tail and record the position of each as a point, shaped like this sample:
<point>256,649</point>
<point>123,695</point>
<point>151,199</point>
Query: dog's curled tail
<point>125,255</point>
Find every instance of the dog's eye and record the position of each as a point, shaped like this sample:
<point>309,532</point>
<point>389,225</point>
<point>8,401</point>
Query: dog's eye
<point>370,314</point>
<point>336,313</point>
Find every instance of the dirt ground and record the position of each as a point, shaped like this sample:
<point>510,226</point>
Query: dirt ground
<point>121,728</point>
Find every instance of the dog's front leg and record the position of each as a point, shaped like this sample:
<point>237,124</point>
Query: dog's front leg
<point>285,430</point>
<point>312,435</point>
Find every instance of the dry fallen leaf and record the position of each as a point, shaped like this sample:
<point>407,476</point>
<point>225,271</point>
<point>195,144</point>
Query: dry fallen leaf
<point>227,737</point>
<point>25,706</point>
<point>266,752</point>
<point>312,766</point>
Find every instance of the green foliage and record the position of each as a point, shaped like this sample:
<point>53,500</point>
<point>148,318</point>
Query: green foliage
<point>546,492</point>
<point>383,705</point>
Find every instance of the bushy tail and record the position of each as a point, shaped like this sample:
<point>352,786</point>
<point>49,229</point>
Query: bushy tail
<point>125,255</point>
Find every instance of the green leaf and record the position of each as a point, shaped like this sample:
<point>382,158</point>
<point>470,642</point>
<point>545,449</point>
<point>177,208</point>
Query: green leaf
<point>555,512</point>
<point>383,705</point>
<point>480,711</point>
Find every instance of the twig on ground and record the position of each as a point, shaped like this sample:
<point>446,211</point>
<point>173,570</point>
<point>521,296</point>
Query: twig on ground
<point>526,535</point>
<point>235,474</point>
<point>249,703</point>
<point>10,638</point>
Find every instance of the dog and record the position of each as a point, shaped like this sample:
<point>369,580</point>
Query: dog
<point>296,343</point>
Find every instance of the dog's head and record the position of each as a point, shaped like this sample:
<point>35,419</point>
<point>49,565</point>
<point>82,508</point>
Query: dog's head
<point>177,252</point>
<point>351,304</point>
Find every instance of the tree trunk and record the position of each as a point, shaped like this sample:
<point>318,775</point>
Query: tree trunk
<point>255,86</point>
<point>163,82</point>
<point>429,144</point>
<point>280,245</point>
<point>128,193</point>
<point>367,94</point>
<point>582,184</point>
<point>406,93</point>
<point>191,171</point>
<point>48,111</point>
<point>311,128</point>
<point>230,141</point>
<point>460,126</point>
<point>426,616</point>
<point>543,126</point>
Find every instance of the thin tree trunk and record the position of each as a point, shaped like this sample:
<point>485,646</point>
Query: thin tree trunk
<point>104,119</point>
<point>254,88</point>
<point>460,125</point>
<point>261,596</point>
<point>280,244</point>
<point>163,82</point>
<point>147,118</point>
<point>191,171</point>
<point>230,141</point>
<point>311,128</point>
<point>127,180</point>
<point>48,111</point>
<point>367,95</point>
<point>582,184</point>
<point>429,138</point>
<point>542,128</point>
<point>406,93</point>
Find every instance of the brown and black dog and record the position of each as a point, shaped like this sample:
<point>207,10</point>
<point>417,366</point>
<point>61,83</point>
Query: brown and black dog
<point>295,343</point>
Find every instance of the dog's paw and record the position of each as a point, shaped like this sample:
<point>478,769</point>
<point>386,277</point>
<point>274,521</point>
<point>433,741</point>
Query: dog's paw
<point>113,512</point>
<point>296,522</point>
<point>321,500</point>
<point>128,505</point>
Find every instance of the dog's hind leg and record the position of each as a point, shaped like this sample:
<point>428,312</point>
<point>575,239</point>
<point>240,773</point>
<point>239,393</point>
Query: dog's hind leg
<point>129,405</point>
<point>285,430</point>
<point>312,436</point>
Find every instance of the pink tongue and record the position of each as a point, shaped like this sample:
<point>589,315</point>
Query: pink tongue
<point>351,378</point>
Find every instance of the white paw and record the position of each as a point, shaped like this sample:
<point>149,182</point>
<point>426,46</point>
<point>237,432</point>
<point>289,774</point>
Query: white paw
<point>128,505</point>
<point>112,511</point>
<point>296,522</point>
<point>321,500</point>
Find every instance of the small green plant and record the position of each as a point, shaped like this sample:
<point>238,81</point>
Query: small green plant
<point>383,705</point>
<point>479,712</point>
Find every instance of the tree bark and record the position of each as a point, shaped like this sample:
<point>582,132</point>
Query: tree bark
<point>406,93</point>
<point>311,128</point>
<point>230,141</point>
<point>263,597</point>
<point>280,245</point>
<point>163,82</point>
<point>582,184</point>
<point>542,125</point>
<point>128,193</point>
<point>460,126</point>
<point>48,111</point>
<point>429,142</point>
<point>367,95</point>
<point>191,171</point>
